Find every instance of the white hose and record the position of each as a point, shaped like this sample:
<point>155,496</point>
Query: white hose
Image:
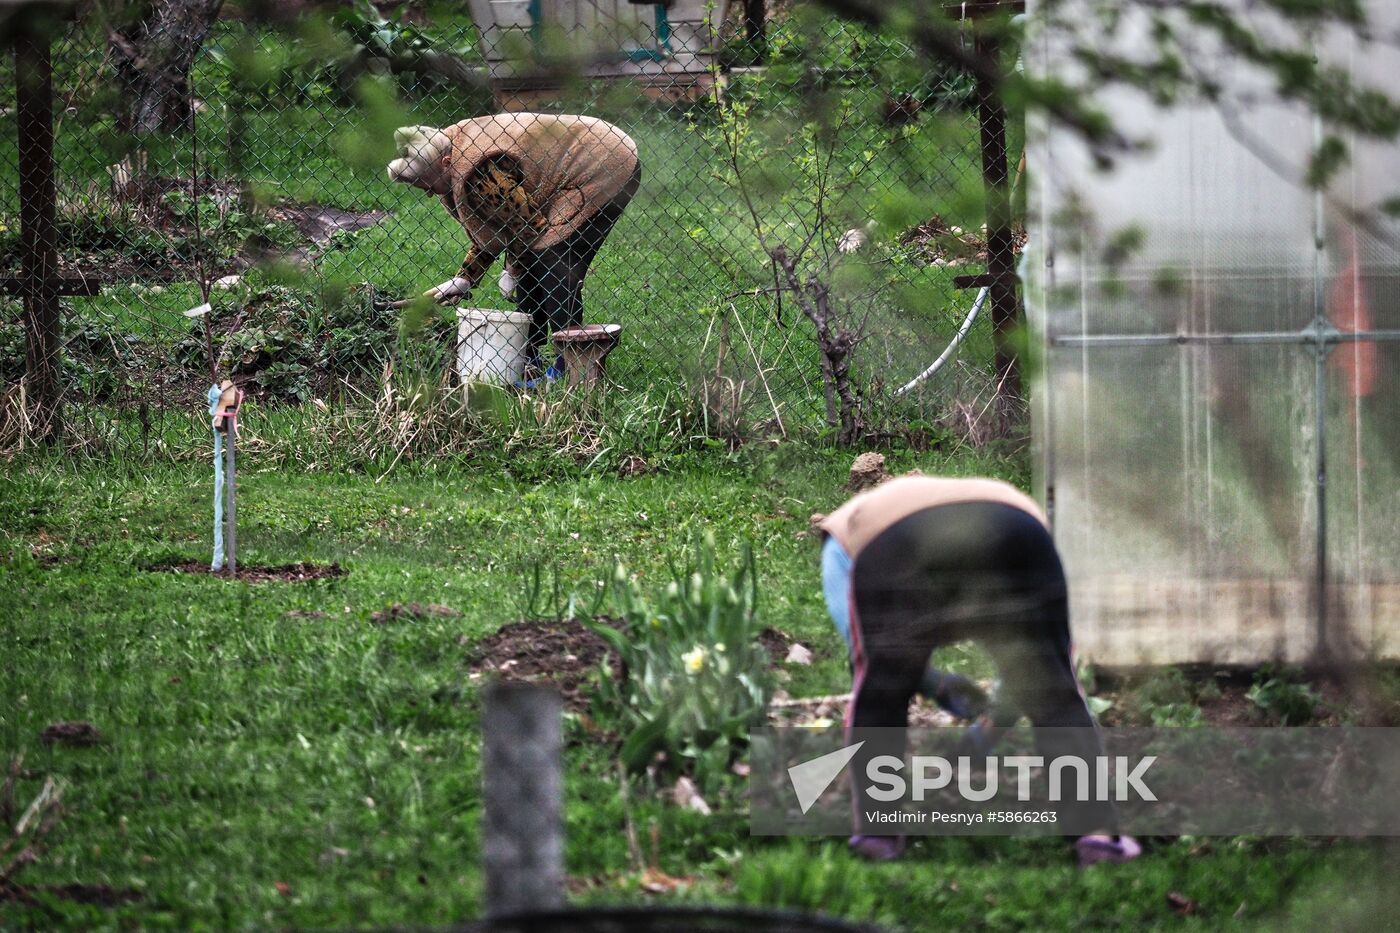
<point>952,347</point>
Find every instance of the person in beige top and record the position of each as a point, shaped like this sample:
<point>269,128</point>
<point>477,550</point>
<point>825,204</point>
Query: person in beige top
<point>920,562</point>
<point>544,189</point>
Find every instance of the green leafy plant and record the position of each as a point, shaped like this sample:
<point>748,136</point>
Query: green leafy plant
<point>1166,698</point>
<point>695,676</point>
<point>97,355</point>
<point>1280,695</point>
<point>284,344</point>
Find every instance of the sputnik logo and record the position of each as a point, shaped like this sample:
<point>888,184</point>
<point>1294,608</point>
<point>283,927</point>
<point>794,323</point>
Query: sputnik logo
<point>811,778</point>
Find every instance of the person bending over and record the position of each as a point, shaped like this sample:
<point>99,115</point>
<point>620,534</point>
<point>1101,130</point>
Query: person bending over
<point>921,562</point>
<point>543,189</point>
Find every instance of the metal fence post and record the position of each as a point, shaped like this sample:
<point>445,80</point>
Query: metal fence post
<point>38,236</point>
<point>230,496</point>
<point>522,772</point>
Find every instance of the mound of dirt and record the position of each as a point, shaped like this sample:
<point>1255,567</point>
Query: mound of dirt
<point>562,652</point>
<point>282,573</point>
<point>940,243</point>
<point>867,471</point>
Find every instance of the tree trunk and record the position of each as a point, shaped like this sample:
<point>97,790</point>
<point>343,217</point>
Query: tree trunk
<point>153,58</point>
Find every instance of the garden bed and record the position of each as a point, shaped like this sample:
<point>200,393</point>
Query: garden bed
<point>280,573</point>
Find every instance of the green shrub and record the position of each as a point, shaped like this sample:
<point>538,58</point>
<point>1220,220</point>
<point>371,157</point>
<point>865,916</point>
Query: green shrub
<point>695,676</point>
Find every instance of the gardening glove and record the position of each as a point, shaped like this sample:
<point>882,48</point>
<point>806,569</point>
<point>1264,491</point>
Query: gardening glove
<point>449,292</point>
<point>507,283</point>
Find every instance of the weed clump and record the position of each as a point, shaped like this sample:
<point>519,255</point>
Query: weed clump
<point>282,344</point>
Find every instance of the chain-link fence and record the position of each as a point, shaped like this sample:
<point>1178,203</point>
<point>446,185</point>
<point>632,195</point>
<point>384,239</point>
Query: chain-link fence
<point>806,193</point>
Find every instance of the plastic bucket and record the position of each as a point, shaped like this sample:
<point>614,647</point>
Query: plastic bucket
<point>491,345</point>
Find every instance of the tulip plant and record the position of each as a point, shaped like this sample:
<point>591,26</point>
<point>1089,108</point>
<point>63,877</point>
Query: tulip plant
<point>695,677</point>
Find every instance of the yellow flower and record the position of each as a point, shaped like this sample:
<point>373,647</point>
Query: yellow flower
<point>656,621</point>
<point>694,660</point>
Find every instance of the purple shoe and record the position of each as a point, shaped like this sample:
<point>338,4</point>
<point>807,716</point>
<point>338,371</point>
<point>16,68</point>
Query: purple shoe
<point>1101,847</point>
<point>878,848</point>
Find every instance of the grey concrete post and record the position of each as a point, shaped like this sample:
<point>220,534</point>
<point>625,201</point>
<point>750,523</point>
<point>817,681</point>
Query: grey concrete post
<point>522,773</point>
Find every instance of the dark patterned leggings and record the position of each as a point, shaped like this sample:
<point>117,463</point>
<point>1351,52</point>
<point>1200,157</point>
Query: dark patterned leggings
<point>983,571</point>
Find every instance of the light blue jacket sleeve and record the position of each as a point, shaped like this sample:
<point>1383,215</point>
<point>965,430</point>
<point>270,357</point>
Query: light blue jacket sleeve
<point>836,586</point>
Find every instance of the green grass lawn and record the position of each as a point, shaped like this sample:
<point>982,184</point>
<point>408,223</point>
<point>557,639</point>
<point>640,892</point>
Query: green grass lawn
<point>266,770</point>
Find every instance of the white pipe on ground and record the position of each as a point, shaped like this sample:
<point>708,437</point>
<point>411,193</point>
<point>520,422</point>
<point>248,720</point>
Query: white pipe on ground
<point>952,346</point>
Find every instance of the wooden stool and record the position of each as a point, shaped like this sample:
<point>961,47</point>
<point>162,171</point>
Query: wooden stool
<point>585,348</point>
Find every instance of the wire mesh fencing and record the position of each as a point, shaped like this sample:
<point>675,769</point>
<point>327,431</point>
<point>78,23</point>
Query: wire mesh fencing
<point>765,220</point>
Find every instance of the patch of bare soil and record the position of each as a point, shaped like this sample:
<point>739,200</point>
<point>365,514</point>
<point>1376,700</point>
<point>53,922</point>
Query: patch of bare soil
<point>121,258</point>
<point>565,653</point>
<point>71,733</point>
<point>1231,708</point>
<point>282,573</point>
<point>776,643</point>
<point>826,711</point>
<point>319,223</point>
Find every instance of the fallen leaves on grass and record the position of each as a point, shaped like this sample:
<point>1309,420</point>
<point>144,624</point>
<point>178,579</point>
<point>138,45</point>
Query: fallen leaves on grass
<point>30,831</point>
<point>814,526</point>
<point>822,712</point>
<point>1180,903</point>
<point>633,465</point>
<point>333,854</point>
<point>687,796</point>
<point>656,881</point>
<point>940,243</point>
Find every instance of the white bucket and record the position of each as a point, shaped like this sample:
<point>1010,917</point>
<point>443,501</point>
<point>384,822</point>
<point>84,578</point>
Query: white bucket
<point>491,345</point>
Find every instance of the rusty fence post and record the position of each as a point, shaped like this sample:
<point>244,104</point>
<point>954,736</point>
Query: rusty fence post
<point>522,773</point>
<point>38,236</point>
